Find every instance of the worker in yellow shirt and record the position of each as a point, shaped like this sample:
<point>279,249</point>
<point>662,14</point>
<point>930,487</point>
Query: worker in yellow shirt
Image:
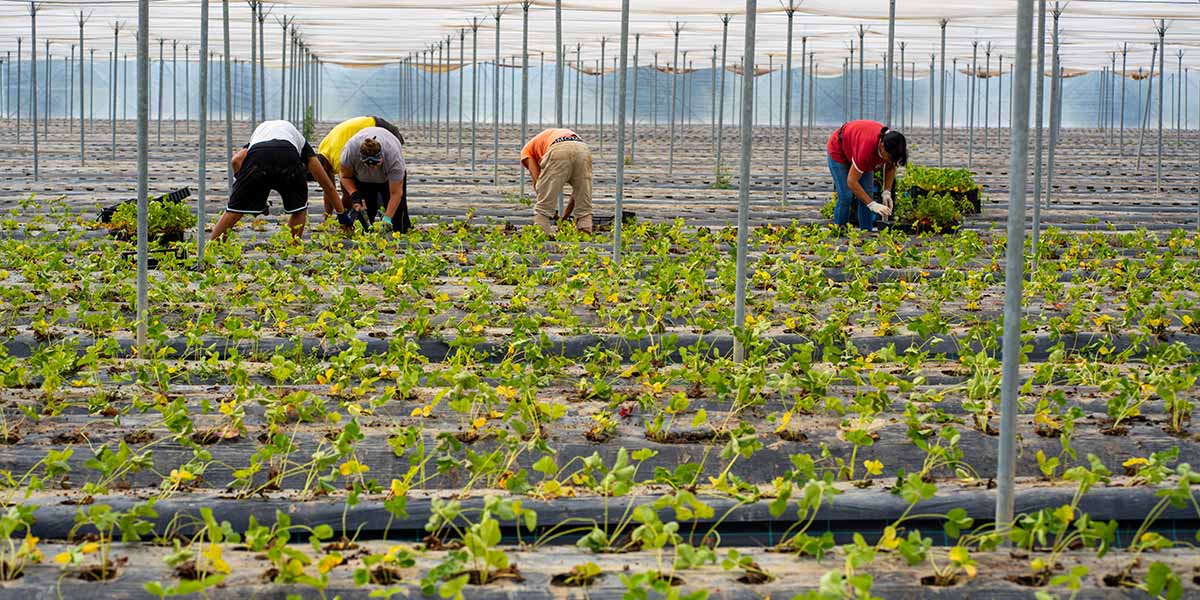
<point>329,152</point>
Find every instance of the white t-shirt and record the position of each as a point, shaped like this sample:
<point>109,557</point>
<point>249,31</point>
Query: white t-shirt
<point>279,130</point>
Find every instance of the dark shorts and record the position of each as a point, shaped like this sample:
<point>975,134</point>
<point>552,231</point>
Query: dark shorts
<point>376,197</point>
<point>272,165</point>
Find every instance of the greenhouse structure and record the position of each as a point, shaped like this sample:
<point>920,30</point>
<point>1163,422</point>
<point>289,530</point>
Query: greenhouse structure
<point>684,299</point>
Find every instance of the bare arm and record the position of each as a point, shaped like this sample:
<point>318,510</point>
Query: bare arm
<point>331,196</point>
<point>236,161</point>
<point>856,187</point>
<point>535,170</point>
<point>348,184</point>
<point>395,195</point>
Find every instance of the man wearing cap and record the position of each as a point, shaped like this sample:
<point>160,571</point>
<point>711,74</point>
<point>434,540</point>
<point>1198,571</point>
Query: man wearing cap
<point>856,150</point>
<point>329,151</point>
<point>372,173</point>
<point>554,158</point>
<point>277,158</point>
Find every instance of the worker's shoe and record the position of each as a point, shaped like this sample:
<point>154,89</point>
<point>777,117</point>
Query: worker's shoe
<point>543,222</point>
<point>584,224</point>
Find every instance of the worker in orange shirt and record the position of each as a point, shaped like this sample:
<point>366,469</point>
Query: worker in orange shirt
<point>554,158</point>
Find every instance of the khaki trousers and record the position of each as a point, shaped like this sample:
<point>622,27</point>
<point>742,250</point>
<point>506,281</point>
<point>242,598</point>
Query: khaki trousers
<point>566,163</point>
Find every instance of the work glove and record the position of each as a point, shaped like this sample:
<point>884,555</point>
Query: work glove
<point>889,200</point>
<point>879,209</point>
<point>346,218</point>
<point>385,224</point>
<point>357,197</point>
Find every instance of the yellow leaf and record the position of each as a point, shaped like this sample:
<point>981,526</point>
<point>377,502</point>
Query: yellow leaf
<point>889,541</point>
<point>506,391</point>
<point>784,421</point>
<point>1065,513</point>
<point>215,562</point>
<point>89,548</point>
<point>352,467</point>
<point>295,568</point>
<point>397,488</point>
<point>62,558</point>
<point>958,555</point>
<point>1133,462</point>
<point>873,467</point>
<point>479,422</point>
<point>329,562</point>
<point>178,476</point>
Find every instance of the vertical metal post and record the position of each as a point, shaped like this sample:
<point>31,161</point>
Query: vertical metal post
<point>902,90</point>
<point>187,90</point>
<point>18,87</point>
<point>174,91</point>
<point>262,62</point>
<point>862,52</point>
<point>721,94</point>
<point>812,107</point>
<point>1039,101</point>
<point>1014,263</point>
<point>559,65</point>
<point>600,95</point>
<point>253,61</point>
<point>33,81</point>
<point>806,79</point>
<point>499,12</point>
<point>202,113</point>
<point>524,80</point>
<point>159,112</point>
<point>143,152</point>
<point>974,85</point>
<point>890,69</point>
<point>1055,102</point>
<point>622,80</point>
<point>283,47</point>
<point>747,139</point>
<point>637,42</point>
<point>932,90</point>
<point>987,92</point>
<point>790,11</point>
<point>228,90</point>
<point>953,92</point>
<point>46,100</point>
<point>674,87</point>
<point>113,95</point>
<point>942,103</point>
<point>1162,74</point>
<point>474,85</point>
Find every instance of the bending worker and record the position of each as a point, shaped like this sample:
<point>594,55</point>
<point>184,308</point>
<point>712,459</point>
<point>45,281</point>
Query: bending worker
<point>329,151</point>
<point>556,157</point>
<point>373,173</point>
<point>277,158</point>
<point>856,150</point>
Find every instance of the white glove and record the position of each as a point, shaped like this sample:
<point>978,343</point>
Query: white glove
<point>888,200</point>
<point>879,209</point>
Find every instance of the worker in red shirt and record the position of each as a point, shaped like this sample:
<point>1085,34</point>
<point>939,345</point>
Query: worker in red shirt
<point>856,150</point>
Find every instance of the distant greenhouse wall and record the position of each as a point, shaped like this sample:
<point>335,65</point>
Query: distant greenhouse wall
<point>356,91</point>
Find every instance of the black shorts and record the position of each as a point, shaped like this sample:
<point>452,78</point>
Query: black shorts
<point>273,165</point>
<point>376,197</point>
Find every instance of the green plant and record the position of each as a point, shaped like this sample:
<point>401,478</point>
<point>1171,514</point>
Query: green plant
<point>162,218</point>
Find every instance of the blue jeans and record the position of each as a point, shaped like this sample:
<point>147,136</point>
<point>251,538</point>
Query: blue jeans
<point>845,198</point>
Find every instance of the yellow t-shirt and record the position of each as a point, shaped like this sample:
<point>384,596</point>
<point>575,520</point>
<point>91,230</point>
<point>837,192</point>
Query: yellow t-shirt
<point>331,147</point>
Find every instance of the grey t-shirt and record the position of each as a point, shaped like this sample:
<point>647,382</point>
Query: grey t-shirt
<point>392,167</point>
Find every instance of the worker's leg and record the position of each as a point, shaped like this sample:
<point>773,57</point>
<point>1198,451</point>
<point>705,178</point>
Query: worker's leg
<point>250,190</point>
<point>556,169</point>
<point>293,188</point>
<point>581,184</point>
<point>401,222</point>
<point>845,198</point>
<point>227,220</point>
<point>866,218</point>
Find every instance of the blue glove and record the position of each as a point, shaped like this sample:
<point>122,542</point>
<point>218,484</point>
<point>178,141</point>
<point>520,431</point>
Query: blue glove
<point>385,223</point>
<point>346,218</point>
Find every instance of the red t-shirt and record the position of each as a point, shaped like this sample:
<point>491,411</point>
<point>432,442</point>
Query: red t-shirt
<point>859,145</point>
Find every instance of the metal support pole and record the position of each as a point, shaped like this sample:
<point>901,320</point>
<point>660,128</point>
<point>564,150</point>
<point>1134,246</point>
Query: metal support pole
<point>932,90</point>
<point>559,65</point>
<point>462,66</point>
<point>33,81</point>
<point>637,43</point>
<point>174,91</point>
<point>890,68</point>
<point>721,94</point>
<point>498,12</point>
<point>942,102</point>
<point>474,85</point>
<point>1014,263</point>
<point>228,90</point>
<point>987,92</point>
<point>143,154</point>
<point>1055,102</point>
<point>974,86</point>
<point>113,86</point>
<point>253,61</point>
<point>524,80</point>
<point>953,91</point>
<point>202,112</point>
<point>158,113</point>
<point>862,52</point>
<point>18,87</point>
<point>1039,101</point>
<point>806,79</point>
<point>747,139</point>
<point>262,62</point>
<point>902,90</point>
<point>790,11</point>
<point>600,95</point>
<point>622,81</point>
<point>283,47</point>
<point>1162,73</point>
<point>674,87</point>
